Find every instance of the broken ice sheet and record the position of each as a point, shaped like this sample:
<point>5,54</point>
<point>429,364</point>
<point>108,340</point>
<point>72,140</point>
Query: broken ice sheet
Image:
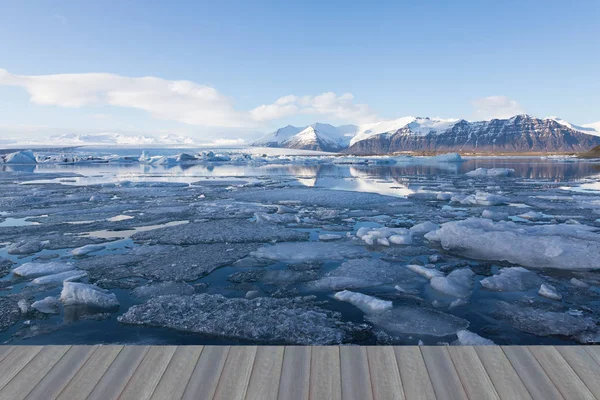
<point>300,252</point>
<point>265,320</point>
<point>406,320</point>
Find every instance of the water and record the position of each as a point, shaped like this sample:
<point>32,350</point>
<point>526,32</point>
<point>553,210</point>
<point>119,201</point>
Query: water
<point>51,203</point>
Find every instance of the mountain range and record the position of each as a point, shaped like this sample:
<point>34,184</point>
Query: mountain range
<point>521,133</point>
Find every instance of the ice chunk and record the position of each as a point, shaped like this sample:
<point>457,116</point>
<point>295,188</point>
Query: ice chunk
<point>483,172</point>
<point>83,294</point>
<point>304,251</point>
<point>48,305</point>
<point>33,269</point>
<point>495,215</point>
<point>549,291</point>
<point>275,218</point>
<point>90,248</point>
<point>467,338</point>
<point>512,279</point>
<point>406,320</point>
<point>447,157</point>
<point>264,320</point>
<point>400,239</point>
<point>220,231</point>
<point>580,284</point>
<point>457,283</point>
<point>20,157</point>
<point>328,237</point>
<point>25,247</point>
<point>67,276</point>
<point>424,227</point>
<point>163,289</point>
<point>373,236</point>
<point>428,273</point>
<point>562,246</point>
<point>368,304</point>
<point>480,198</point>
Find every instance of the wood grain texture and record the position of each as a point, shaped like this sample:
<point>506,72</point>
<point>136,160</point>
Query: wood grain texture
<point>415,378</point>
<point>5,350</point>
<point>472,373</point>
<point>177,375</point>
<point>205,378</point>
<point>266,373</point>
<point>325,378</point>
<point>61,374</point>
<point>561,373</point>
<point>295,373</point>
<point>148,373</point>
<point>13,362</point>
<point>531,373</point>
<point>114,380</point>
<point>443,375</point>
<point>90,373</point>
<point>506,381</point>
<point>31,374</point>
<point>584,366</point>
<point>356,378</point>
<point>236,373</point>
<point>385,376</point>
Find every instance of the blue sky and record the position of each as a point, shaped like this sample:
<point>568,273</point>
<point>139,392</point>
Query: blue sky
<point>467,59</point>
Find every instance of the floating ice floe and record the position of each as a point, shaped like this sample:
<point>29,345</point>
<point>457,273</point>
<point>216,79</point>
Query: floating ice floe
<point>549,291</point>
<point>481,172</point>
<point>512,279</point>
<point>298,252</point>
<point>85,250</point>
<point>89,295</point>
<point>328,237</point>
<point>368,304</point>
<point>424,227</point>
<point>384,236</point>
<point>48,305</point>
<point>67,276</point>
<point>458,283</point>
<point>34,269</point>
<point>275,218</point>
<point>266,320</point>
<point>580,284</point>
<point>467,338</point>
<point>494,215</point>
<point>25,247</point>
<point>562,246</point>
<point>163,289</point>
<point>407,320</point>
<point>425,272</point>
<point>480,198</point>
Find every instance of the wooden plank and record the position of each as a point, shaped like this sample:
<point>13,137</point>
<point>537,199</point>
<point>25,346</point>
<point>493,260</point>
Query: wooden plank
<point>472,373</point>
<point>415,378</point>
<point>148,373</point>
<point>5,350</point>
<point>295,373</point>
<point>507,383</point>
<point>236,373</point>
<point>594,352</point>
<point>118,374</point>
<point>90,373</point>
<point>15,361</point>
<point>531,373</point>
<point>584,366</point>
<point>61,374</point>
<point>325,378</point>
<point>356,380</point>
<point>444,378</point>
<point>204,379</point>
<point>385,376</point>
<point>20,386</point>
<point>266,373</point>
<point>561,373</point>
<point>177,375</point>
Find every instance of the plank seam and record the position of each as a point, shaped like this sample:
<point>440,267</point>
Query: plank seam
<point>100,379</point>
<point>164,372</point>
<point>309,372</point>
<point>47,372</point>
<point>134,371</point>
<point>591,355</point>
<point>369,371</point>
<point>399,374</point>
<point>21,369</point>
<point>281,373</point>
<point>187,384</point>
<point>8,353</point>
<point>250,375</point>
<point>517,372</point>
<point>551,380</point>
<point>569,364</point>
<point>462,384</point>
<point>221,374</point>
<point>490,377</point>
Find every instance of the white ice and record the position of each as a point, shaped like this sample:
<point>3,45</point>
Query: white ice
<point>33,269</point>
<point>383,236</point>
<point>90,248</point>
<point>298,252</point>
<point>368,304</point>
<point>480,172</point>
<point>424,227</point>
<point>512,279</point>
<point>458,283</point>
<point>549,291</point>
<point>428,273</point>
<point>48,305</point>
<point>467,338</point>
<point>67,276</point>
<point>83,294</point>
<point>328,237</point>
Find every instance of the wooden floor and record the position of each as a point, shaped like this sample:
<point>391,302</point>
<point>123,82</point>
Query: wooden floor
<point>264,373</point>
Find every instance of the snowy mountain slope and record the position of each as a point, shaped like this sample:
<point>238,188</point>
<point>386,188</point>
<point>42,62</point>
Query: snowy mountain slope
<point>318,136</point>
<point>590,129</point>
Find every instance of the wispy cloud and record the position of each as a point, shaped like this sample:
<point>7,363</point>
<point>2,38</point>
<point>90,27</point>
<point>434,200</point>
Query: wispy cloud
<point>60,18</point>
<point>181,101</point>
<point>492,107</point>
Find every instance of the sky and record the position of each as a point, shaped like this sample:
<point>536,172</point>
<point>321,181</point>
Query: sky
<point>233,70</point>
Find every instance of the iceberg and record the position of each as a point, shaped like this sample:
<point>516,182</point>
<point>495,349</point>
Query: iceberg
<point>367,304</point>
<point>561,246</point>
<point>89,295</point>
<point>20,157</point>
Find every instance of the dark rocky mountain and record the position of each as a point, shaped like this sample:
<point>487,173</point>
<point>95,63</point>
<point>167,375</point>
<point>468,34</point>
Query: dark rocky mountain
<point>518,134</point>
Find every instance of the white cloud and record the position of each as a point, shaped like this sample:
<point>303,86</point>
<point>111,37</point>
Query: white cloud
<point>340,107</point>
<point>181,101</point>
<point>492,107</point>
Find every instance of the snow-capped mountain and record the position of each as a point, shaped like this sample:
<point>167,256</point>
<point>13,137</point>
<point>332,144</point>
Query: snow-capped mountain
<point>111,139</point>
<point>521,133</point>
